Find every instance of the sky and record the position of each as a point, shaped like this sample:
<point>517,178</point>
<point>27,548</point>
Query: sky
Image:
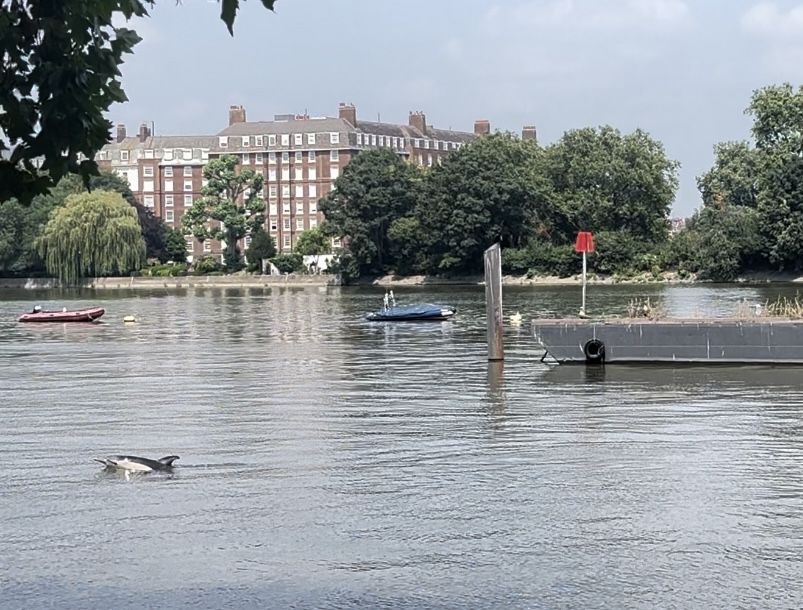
<point>683,71</point>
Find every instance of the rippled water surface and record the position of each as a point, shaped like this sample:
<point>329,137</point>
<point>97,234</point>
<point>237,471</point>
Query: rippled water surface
<point>327,462</point>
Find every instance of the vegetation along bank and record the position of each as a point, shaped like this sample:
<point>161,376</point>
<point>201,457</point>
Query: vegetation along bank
<point>397,219</point>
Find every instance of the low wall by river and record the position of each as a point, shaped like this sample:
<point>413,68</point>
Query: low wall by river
<point>224,281</point>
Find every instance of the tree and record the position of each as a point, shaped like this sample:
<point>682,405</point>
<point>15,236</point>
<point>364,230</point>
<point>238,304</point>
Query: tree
<point>777,112</point>
<point>727,242</point>
<point>175,245</point>
<point>153,229</point>
<point>20,227</point>
<point>734,178</point>
<point>232,198</point>
<point>313,242</point>
<point>601,180</point>
<point>92,234</point>
<point>61,73</point>
<point>483,193</point>
<point>375,188</point>
<point>262,248</point>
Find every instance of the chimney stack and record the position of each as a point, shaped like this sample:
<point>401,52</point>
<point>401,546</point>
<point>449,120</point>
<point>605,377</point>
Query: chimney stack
<point>528,132</point>
<point>144,132</point>
<point>348,113</point>
<point>120,133</point>
<point>482,127</point>
<point>236,115</point>
<point>419,121</point>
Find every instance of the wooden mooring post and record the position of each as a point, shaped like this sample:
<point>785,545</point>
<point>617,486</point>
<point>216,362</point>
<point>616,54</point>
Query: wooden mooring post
<point>493,302</point>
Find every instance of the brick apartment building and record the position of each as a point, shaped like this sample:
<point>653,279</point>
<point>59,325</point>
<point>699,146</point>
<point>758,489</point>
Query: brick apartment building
<point>299,156</point>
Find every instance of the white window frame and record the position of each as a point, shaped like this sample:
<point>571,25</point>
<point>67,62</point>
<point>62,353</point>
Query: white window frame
<point>169,185</point>
<point>334,155</point>
<point>188,185</point>
<point>298,139</point>
<point>169,201</point>
<point>187,201</point>
<point>168,171</point>
<point>271,140</point>
<point>311,139</point>
<point>334,137</point>
<point>259,141</point>
<point>223,141</point>
<point>147,170</point>
<point>124,156</point>
<point>285,139</point>
<point>246,141</point>
<point>170,216</point>
<point>188,171</point>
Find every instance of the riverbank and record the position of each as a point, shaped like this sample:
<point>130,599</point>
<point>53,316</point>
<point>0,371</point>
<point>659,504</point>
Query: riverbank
<point>262,281</point>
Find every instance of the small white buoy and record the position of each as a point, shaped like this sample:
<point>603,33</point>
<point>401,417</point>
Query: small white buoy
<point>129,319</point>
<point>515,319</point>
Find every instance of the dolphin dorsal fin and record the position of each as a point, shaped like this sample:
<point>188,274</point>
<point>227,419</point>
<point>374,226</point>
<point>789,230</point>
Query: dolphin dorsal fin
<point>168,460</point>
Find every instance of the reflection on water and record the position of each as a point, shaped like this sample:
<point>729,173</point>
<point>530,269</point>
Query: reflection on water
<point>329,462</point>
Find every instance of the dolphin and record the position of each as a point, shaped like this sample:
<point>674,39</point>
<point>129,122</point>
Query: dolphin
<point>138,464</point>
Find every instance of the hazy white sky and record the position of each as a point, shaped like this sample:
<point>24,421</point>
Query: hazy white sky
<point>684,71</point>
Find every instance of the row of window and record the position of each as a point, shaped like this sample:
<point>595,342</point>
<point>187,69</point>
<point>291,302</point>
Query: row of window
<point>363,139</point>
<point>186,154</point>
<point>298,174</point>
<point>299,194</point>
<point>283,139</point>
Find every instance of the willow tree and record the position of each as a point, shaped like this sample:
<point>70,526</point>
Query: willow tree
<point>92,235</point>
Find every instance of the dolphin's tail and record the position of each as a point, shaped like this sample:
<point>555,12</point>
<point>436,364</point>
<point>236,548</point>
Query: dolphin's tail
<point>168,460</point>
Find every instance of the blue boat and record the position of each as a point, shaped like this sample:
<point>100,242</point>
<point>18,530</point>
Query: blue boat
<point>420,312</point>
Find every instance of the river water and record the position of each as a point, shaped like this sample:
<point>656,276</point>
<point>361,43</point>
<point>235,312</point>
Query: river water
<point>327,462</point>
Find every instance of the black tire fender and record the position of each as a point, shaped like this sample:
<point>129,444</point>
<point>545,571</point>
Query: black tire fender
<point>594,351</point>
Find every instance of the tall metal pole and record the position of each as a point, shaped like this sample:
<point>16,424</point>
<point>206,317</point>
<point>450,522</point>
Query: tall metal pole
<point>493,301</point>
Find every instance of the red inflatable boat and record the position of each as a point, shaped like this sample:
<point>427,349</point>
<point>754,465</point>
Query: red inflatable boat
<point>89,314</point>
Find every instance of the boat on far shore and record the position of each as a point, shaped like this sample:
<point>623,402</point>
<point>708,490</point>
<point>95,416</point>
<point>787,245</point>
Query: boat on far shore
<point>420,312</point>
<point>88,314</point>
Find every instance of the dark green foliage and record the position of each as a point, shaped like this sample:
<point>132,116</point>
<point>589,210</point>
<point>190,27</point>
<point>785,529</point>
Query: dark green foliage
<point>734,178</point>
<point>620,253</point>
<point>263,247</point>
<point>20,226</point>
<point>600,180</point>
<point>206,265</point>
<point>723,242</point>
<point>375,188</point>
<point>542,257</point>
<point>165,271</point>
<point>288,263</point>
<point>481,194</point>
<point>175,245</point>
<point>60,75</point>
